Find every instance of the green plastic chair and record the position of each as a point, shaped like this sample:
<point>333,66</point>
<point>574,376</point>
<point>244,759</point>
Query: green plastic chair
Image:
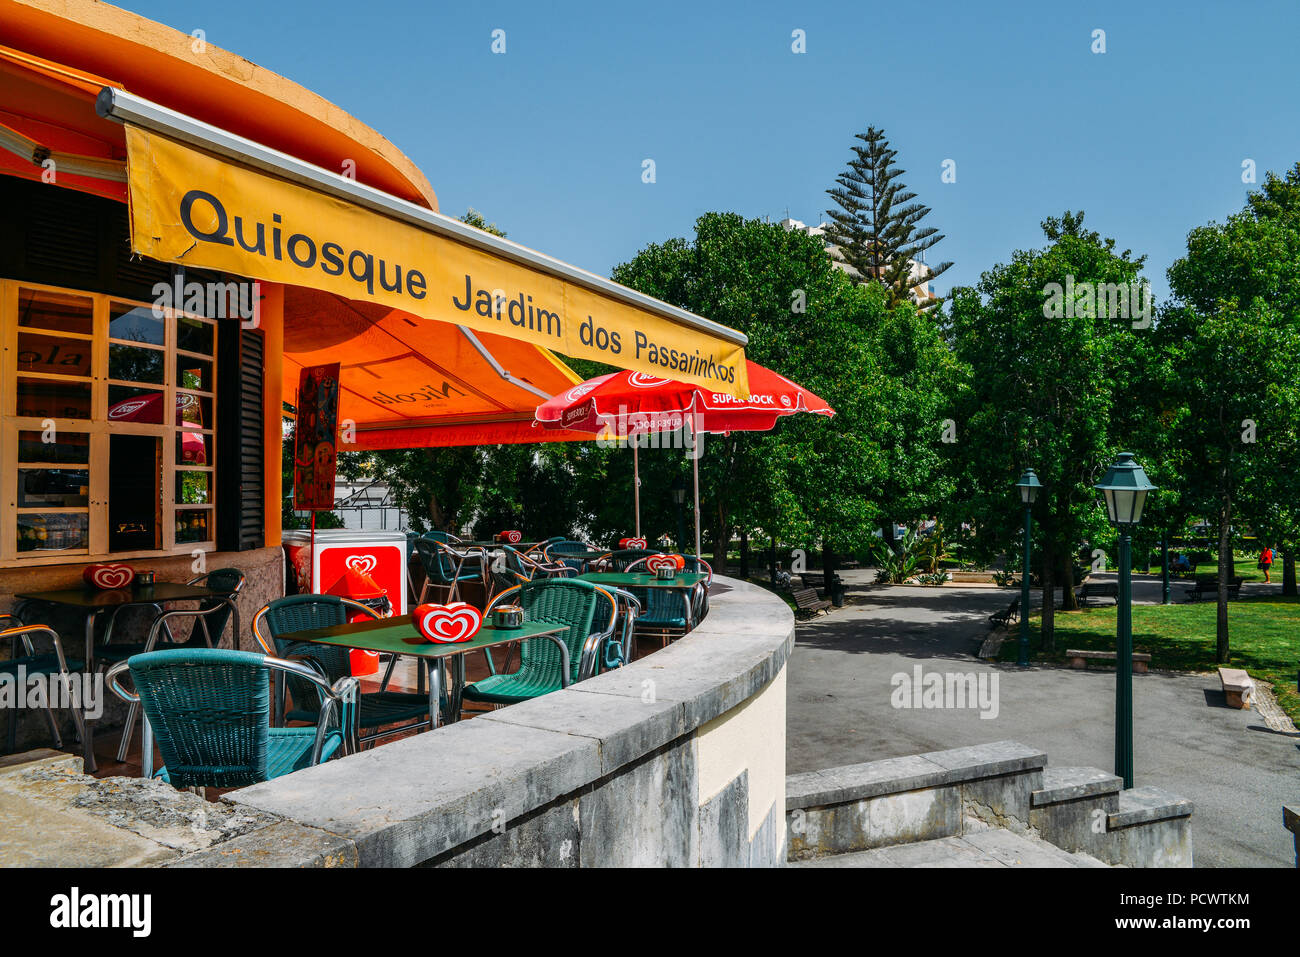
<point>210,711</point>
<point>375,709</point>
<point>32,663</point>
<point>551,662</point>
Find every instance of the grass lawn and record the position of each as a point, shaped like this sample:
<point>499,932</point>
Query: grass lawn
<point>1246,569</point>
<point>1264,639</point>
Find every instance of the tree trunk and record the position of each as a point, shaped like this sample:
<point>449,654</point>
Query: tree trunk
<point>771,561</point>
<point>1069,600</point>
<point>1225,576</point>
<point>721,539</point>
<point>1288,572</point>
<point>744,553</point>
<point>1049,601</point>
<point>828,568</point>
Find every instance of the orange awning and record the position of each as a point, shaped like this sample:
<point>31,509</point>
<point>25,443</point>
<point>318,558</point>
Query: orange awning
<point>48,114</point>
<point>411,383</point>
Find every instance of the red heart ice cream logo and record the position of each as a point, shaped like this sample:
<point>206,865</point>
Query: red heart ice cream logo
<point>656,562</point>
<point>109,576</point>
<point>631,543</point>
<point>444,624</point>
<point>361,563</point>
<point>513,537</point>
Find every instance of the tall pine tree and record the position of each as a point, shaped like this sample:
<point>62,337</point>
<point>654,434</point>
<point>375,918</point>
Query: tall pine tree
<point>877,225</point>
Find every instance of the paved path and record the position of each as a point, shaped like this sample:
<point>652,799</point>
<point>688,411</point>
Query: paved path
<point>1236,771</point>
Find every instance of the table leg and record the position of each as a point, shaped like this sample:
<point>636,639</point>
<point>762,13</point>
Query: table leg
<point>457,689</point>
<point>88,734</point>
<point>435,686</point>
<point>146,748</point>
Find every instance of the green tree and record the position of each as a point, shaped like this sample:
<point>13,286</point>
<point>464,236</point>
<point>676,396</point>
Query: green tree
<point>1232,338</point>
<point>1049,365</point>
<point>883,369</point>
<point>877,226</point>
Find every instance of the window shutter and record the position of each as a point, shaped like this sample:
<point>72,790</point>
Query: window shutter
<point>241,485</point>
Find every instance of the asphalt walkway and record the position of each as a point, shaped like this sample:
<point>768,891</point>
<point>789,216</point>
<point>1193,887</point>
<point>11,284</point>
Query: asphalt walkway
<point>842,694</point>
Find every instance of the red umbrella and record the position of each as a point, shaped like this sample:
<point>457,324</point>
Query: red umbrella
<point>634,403</point>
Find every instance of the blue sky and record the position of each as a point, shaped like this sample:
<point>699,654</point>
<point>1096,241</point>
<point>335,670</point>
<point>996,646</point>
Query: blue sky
<point>548,139</point>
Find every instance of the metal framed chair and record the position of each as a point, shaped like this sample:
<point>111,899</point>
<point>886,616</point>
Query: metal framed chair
<point>30,662</point>
<point>210,711</point>
<point>209,624</point>
<point>391,711</point>
<point>444,567</point>
<point>618,559</point>
<point>555,552</point>
<point>531,568</point>
<point>551,662</point>
<point>669,614</point>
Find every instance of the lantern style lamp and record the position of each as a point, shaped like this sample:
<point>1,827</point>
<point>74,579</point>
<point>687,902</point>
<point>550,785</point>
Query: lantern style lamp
<point>1029,486</point>
<point>1124,489</point>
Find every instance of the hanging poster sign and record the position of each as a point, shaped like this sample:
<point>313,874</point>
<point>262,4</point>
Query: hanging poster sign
<point>313,438</point>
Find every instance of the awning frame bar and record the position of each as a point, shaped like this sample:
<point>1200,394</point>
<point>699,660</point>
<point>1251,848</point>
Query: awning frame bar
<point>124,107</point>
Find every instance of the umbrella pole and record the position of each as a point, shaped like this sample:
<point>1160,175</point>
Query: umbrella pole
<point>695,470</point>
<point>636,486</point>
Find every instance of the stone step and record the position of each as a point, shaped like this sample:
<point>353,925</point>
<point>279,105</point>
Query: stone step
<point>994,847</point>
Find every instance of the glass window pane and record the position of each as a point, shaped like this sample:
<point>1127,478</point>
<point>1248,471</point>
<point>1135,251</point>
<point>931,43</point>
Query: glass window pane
<point>126,404</point>
<point>193,488</point>
<point>134,492</point>
<point>192,525</point>
<point>62,447</point>
<point>193,373</point>
<point>193,335</point>
<point>193,411</point>
<point>51,533</point>
<point>53,354</point>
<point>53,310</point>
<point>135,365</point>
<point>46,399</point>
<point>135,324</point>
<point>193,448</point>
<point>53,488</point>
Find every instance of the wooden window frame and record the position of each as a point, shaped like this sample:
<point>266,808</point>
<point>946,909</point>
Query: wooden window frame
<point>99,429</point>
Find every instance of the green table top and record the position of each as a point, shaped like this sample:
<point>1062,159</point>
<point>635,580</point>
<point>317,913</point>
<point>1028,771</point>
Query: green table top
<point>89,597</point>
<point>399,636</point>
<point>644,579</point>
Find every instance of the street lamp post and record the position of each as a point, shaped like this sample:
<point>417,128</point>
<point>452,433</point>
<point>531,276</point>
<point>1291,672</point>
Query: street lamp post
<point>1164,569</point>
<point>1029,486</point>
<point>679,499</point>
<point>1125,487</point>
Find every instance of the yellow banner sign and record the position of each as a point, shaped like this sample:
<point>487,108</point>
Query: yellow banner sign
<point>193,208</point>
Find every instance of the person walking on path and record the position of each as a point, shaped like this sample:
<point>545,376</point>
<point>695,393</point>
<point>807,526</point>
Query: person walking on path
<point>1266,562</point>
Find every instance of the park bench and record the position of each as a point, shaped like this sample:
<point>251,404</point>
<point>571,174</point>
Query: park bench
<point>806,600</point>
<point>1210,586</point>
<point>1092,590</point>
<point>1080,659</point>
<point>817,579</point>
<point>1237,687</point>
<point>1006,617</point>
